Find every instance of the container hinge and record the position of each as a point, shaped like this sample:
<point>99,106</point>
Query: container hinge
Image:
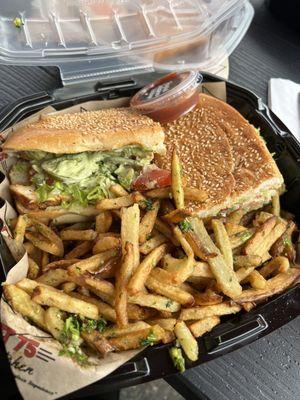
<point>74,73</point>
<point>115,90</point>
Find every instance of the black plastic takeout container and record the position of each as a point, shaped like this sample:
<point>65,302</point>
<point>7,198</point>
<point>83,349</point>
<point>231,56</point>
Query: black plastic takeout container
<point>233,332</point>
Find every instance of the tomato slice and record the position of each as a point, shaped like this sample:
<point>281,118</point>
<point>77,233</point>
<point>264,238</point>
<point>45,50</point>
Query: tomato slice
<point>156,178</point>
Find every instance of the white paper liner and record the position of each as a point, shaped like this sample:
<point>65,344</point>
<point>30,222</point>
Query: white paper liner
<point>33,355</point>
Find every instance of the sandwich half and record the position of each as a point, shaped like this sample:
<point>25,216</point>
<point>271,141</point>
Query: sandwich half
<point>223,155</point>
<point>71,160</point>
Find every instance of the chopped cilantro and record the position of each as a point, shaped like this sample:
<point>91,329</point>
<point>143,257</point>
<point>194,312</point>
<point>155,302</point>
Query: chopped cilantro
<point>169,303</point>
<point>184,225</point>
<point>244,236</point>
<point>287,242</point>
<point>150,339</point>
<point>177,357</point>
<point>71,341</point>
<point>70,336</point>
<point>148,204</point>
<point>149,236</point>
<point>89,325</point>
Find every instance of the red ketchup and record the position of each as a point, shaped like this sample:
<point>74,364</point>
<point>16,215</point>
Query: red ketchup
<point>169,97</point>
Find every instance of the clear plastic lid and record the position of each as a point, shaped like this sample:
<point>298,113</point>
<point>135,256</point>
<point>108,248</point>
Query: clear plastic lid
<point>92,39</point>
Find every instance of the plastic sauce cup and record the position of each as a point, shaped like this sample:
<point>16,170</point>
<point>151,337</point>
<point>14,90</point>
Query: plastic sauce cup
<point>169,97</point>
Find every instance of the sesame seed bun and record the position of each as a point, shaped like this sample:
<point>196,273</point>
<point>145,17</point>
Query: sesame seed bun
<point>224,155</point>
<point>87,131</point>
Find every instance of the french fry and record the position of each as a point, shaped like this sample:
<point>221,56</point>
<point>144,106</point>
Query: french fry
<point>155,301</point>
<point>284,245</point>
<point>247,261</point>
<point>242,273</point>
<point>182,273</point>
<point>201,269</point>
<point>40,242</point>
<point>44,259</point>
<point>224,274</point>
<point>179,269</point>
<point>233,229</point>
<point>138,279</point>
<point>274,286</point>
<point>120,202</point>
<point>177,215</point>
<point>160,193</point>
<point>236,216</point>
<point>69,234</point>
<point>80,250</point>
<point>209,311</point>
<point>118,190</point>
<point>166,206</point>
<point>68,287</point>
<point>177,186</point>
<point>114,331</point>
<point>248,306</point>
<point>135,340</point>
<point>256,280</point>
<point>22,303</point>
<point>164,276</point>
<point>165,229</point>
<point>190,193</point>
<point>166,323</point>
<point>54,277</point>
<point>147,222</point>
<point>276,205</point>
<point>136,313</point>
<point>97,342</point>
<point>172,292</point>
<point>153,243</point>
<point>59,264</point>
<point>102,288</point>
<point>241,238</point>
<point>277,264</point>
<point>33,252</point>
<point>50,236</point>
<point>207,298</point>
<point>186,340</point>
<point>261,217</point>
<point>72,218</point>
<point>55,298</point>
<point>223,241</point>
<point>28,285</point>
<point>33,269</point>
<point>201,248</point>
<point>103,221</point>
<point>205,325</point>
<point>54,321</point>
<point>79,226</point>
<point>121,282</point>
<point>130,231</point>
<point>106,243</point>
<point>168,337</point>
<point>20,228</point>
<point>105,310</point>
<point>109,268</point>
<point>265,237</point>
<point>92,263</point>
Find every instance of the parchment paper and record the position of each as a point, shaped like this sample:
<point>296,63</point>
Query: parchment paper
<point>33,355</point>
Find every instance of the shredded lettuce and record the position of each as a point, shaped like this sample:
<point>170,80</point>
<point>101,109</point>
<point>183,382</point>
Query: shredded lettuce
<point>84,178</point>
<point>177,357</point>
<point>70,338</point>
<point>150,340</point>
